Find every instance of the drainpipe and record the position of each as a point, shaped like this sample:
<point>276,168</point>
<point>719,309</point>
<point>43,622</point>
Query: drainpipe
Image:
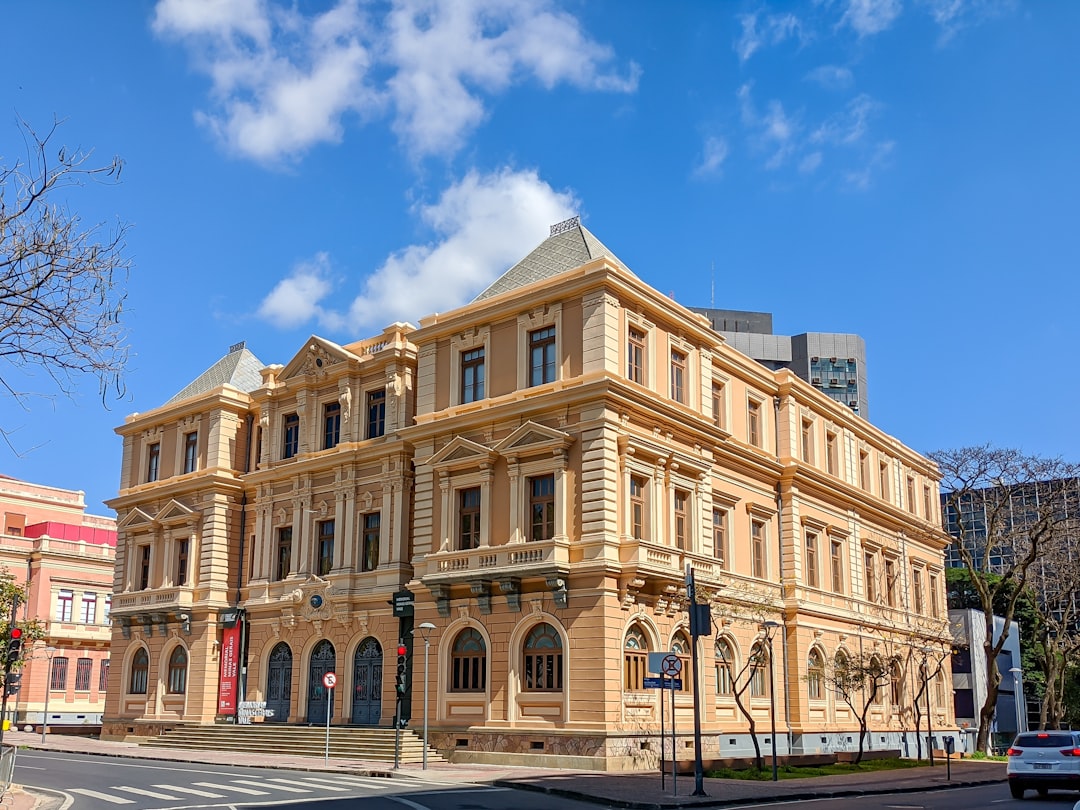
<point>780,571</point>
<point>241,687</point>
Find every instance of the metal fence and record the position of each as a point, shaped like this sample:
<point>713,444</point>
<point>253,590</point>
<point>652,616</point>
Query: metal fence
<point>7,767</point>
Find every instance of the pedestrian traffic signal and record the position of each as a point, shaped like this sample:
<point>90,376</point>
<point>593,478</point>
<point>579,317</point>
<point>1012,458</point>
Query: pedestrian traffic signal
<point>402,668</point>
<point>14,646</point>
<point>12,682</point>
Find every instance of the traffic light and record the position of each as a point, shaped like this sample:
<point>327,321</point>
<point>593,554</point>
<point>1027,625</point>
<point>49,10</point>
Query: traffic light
<point>12,682</point>
<point>402,668</point>
<point>14,646</point>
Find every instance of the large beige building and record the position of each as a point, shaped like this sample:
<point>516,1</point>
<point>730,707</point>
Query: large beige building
<point>538,469</point>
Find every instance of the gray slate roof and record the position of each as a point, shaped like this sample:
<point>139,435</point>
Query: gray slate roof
<point>239,368</point>
<point>570,245</point>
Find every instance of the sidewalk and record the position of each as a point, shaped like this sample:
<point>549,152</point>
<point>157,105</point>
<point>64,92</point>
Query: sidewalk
<point>630,790</point>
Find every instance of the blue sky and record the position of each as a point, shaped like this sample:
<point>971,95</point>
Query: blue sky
<point>903,169</point>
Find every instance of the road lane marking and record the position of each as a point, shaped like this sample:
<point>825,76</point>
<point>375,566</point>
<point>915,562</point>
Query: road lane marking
<point>234,788</point>
<point>206,794</point>
<point>141,792</point>
<point>105,797</point>
<point>272,787</point>
<point>407,803</point>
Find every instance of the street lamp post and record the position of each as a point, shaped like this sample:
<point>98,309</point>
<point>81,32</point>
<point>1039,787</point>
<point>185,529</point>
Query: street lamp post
<point>425,631</point>
<point>769,628</point>
<point>49,653</point>
<point>1017,697</point>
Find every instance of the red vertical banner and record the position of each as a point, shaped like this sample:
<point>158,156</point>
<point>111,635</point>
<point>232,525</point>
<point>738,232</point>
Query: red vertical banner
<point>230,670</point>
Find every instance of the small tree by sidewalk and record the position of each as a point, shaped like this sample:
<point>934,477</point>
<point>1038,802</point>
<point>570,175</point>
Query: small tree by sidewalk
<point>859,679</point>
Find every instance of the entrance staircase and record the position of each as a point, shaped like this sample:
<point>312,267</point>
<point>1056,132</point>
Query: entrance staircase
<point>366,743</point>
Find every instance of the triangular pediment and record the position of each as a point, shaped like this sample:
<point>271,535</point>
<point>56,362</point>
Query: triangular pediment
<point>135,519</point>
<point>176,512</point>
<point>318,356</point>
<point>461,452</point>
<point>533,438</point>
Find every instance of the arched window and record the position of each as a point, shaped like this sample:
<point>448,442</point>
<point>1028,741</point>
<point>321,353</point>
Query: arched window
<point>759,660</point>
<point>815,676</point>
<point>877,672</point>
<point>725,664</point>
<point>841,674</point>
<point>543,670</point>
<point>896,685</point>
<point>939,689</point>
<point>468,662</point>
<point>680,645</point>
<point>140,668</point>
<point>635,660</point>
<point>178,671</point>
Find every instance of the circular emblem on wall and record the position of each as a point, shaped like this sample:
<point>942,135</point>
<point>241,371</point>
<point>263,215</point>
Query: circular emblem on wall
<point>315,601</point>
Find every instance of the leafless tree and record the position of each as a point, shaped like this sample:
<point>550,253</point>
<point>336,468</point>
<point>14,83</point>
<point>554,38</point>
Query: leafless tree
<point>1056,601</point>
<point>62,283</point>
<point>859,678</point>
<point>1003,508</point>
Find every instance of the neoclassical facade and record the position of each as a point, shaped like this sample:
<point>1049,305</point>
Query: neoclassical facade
<point>532,474</point>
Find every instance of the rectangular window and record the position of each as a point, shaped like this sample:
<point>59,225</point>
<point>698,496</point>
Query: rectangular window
<point>832,466</point>
<point>928,506</point>
<point>637,507</point>
<point>103,676</point>
<point>808,441</point>
<point>678,376</point>
<point>883,480</point>
<point>917,590</point>
<point>890,583</point>
<point>326,546</point>
<point>83,669</point>
<point>542,507</point>
<point>682,519</point>
<point>757,547</point>
<point>89,609</point>
<point>153,462</point>
<point>864,470</point>
<point>64,601</point>
<point>635,355</point>
<point>58,675</point>
<point>469,518</point>
<point>331,425</point>
<point>191,452</point>
<point>812,579</point>
<point>718,404</point>
<point>376,413</point>
<point>542,356</point>
<point>182,547</point>
<point>933,596</point>
<point>870,572</point>
<point>836,563</point>
<point>284,553</point>
<point>107,611</point>
<point>472,375</point>
<point>911,495</point>
<point>291,440</point>
<point>144,567</point>
<point>753,423</point>
<point>372,526</point>
<point>719,536</point>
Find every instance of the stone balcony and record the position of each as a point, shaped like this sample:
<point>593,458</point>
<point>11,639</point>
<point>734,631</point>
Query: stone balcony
<point>154,600</point>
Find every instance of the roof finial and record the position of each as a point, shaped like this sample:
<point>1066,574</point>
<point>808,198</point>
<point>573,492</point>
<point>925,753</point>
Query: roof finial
<point>565,225</point>
<point>237,346</point>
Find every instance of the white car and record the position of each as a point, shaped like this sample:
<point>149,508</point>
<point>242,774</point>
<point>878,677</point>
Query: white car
<point>1042,760</point>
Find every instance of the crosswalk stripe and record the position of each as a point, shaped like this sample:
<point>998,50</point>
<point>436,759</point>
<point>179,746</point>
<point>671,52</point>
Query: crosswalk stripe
<point>274,787</point>
<point>204,793</point>
<point>105,797</point>
<point>235,788</point>
<point>140,792</point>
<point>319,784</point>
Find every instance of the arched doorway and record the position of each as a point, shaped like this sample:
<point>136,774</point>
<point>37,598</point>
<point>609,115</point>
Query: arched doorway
<point>323,660</point>
<point>279,684</point>
<point>367,683</point>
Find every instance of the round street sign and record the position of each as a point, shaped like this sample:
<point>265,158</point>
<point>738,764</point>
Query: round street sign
<point>671,665</point>
<point>329,680</point>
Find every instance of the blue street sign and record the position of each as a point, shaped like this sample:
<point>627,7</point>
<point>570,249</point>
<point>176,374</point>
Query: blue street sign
<point>663,683</point>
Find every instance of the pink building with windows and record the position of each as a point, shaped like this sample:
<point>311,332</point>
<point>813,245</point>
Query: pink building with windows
<point>66,558</point>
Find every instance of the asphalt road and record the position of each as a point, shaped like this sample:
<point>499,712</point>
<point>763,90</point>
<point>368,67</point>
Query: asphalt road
<point>986,797</point>
<point>82,782</point>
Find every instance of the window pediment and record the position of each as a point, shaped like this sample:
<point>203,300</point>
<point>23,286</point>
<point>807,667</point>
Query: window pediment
<point>136,519</point>
<point>462,453</point>
<point>175,513</point>
<point>317,356</point>
<point>533,439</point>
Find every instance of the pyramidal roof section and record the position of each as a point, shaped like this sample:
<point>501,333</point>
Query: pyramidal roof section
<point>239,368</point>
<point>570,245</point>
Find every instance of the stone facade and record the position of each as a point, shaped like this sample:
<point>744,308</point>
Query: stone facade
<point>537,468</point>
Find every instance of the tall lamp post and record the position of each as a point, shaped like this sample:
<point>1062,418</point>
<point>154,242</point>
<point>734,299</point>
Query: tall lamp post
<point>425,632</point>
<point>49,653</point>
<point>769,628</point>
<point>1018,695</point>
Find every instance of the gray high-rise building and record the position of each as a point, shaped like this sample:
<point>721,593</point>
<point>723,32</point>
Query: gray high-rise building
<point>832,362</point>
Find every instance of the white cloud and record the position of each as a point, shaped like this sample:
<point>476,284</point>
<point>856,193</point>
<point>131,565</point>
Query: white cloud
<point>283,81</point>
<point>847,127</point>
<point>952,16</point>
<point>831,77</point>
<point>869,17</point>
<point>714,153</point>
<point>480,223</point>
<point>773,131</point>
<point>296,298</point>
<point>771,29</point>
<point>810,163</point>
<point>861,179</point>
